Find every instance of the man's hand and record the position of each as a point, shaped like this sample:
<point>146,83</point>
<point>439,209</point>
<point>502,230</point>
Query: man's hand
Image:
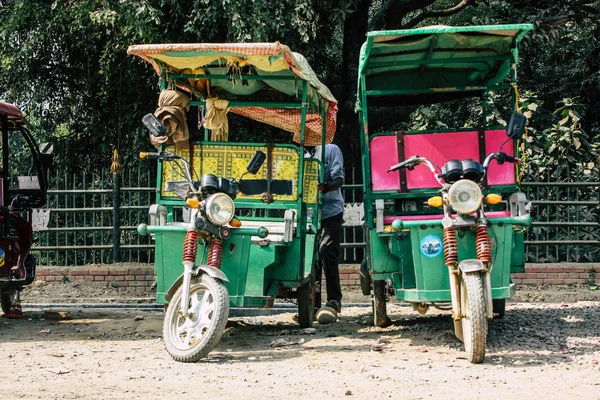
<point>330,186</point>
<point>323,187</point>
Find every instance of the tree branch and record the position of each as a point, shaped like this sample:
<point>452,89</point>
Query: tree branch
<point>391,14</point>
<point>438,13</point>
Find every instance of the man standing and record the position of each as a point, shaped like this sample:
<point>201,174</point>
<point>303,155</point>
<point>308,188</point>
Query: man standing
<point>332,211</point>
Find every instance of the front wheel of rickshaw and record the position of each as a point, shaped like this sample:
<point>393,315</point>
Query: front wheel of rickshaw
<point>188,339</point>
<point>7,298</point>
<point>306,302</point>
<point>474,317</point>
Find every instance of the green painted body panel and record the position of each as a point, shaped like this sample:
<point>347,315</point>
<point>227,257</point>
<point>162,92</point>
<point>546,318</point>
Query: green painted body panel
<point>417,277</point>
<point>255,272</point>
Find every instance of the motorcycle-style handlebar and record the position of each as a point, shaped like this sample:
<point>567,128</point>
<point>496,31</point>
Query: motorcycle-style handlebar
<point>413,161</point>
<point>168,156</point>
<point>501,158</point>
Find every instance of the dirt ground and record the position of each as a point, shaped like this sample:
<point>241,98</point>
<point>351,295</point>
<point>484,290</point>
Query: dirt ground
<point>549,348</point>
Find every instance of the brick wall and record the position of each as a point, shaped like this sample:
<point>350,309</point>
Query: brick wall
<point>559,274</point>
<point>139,278</point>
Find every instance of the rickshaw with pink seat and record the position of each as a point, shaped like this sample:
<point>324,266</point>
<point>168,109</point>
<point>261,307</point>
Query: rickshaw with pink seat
<point>444,218</point>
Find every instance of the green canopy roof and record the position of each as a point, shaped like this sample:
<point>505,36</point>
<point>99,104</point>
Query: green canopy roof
<point>437,63</point>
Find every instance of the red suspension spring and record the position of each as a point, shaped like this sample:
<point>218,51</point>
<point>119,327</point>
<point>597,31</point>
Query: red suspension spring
<point>215,253</point>
<point>450,247</point>
<point>484,246</point>
<point>190,246</point>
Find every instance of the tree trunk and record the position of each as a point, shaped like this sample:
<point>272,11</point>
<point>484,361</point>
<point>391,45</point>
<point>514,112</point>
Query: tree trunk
<point>355,30</point>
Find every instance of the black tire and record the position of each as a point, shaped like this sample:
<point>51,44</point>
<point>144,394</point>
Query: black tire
<point>7,298</point>
<point>365,278</point>
<point>306,302</point>
<point>192,338</point>
<point>474,320</point>
<point>380,317</point>
<point>499,308</point>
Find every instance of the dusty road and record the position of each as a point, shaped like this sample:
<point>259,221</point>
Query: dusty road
<point>549,351</point>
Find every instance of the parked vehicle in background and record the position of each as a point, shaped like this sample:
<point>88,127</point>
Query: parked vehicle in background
<point>22,188</point>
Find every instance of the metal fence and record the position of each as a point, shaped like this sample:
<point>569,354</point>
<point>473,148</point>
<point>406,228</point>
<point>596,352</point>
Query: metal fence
<point>566,216</point>
<point>80,228</point>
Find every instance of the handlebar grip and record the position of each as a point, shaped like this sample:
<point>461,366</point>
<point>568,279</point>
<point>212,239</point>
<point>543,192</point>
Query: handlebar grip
<point>149,156</point>
<point>501,158</point>
<point>512,159</point>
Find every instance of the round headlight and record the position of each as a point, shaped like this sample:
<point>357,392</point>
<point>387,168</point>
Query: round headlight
<point>219,209</point>
<point>465,196</point>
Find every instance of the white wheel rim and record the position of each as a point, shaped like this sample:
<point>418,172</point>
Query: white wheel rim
<point>189,332</point>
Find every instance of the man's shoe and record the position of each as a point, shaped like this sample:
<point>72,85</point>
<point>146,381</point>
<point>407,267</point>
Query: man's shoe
<point>328,314</point>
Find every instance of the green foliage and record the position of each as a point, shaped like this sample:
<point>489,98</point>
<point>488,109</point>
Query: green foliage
<point>65,62</point>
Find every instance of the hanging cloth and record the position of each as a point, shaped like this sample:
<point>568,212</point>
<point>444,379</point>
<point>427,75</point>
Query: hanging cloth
<point>216,119</point>
<point>171,111</point>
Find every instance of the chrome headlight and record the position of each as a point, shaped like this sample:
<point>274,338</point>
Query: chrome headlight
<point>465,196</point>
<point>219,209</point>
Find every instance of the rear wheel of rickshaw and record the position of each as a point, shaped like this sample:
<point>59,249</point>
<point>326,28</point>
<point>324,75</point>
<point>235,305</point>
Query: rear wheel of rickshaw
<point>474,316</point>
<point>188,339</point>
<point>7,298</point>
<point>499,308</point>
<point>379,299</point>
<point>306,302</point>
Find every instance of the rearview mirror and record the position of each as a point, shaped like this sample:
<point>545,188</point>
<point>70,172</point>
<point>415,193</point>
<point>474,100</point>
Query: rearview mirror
<point>516,126</point>
<point>155,127</point>
<point>256,162</point>
<point>46,154</point>
<point>46,148</point>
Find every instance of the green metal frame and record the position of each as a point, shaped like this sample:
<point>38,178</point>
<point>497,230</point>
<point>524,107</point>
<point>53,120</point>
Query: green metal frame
<point>256,273</point>
<point>397,255</point>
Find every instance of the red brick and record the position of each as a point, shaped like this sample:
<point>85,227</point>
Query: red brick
<point>517,281</point>
<point>553,276</point>
<point>43,272</point>
<point>137,271</point>
<point>348,270</point>
<point>520,275</point>
<point>554,269</point>
<point>584,275</point>
<point>149,277</point>
<point>79,272</point>
<point>536,275</point>
<point>109,278</point>
<point>78,278</point>
<point>98,278</point>
<point>573,275</point>
<point>343,277</point>
<point>140,277</point>
<point>576,269</point>
<point>119,271</point>
<point>101,271</point>
<point>533,269</point>
<point>119,278</point>
<point>129,278</point>
<point>554,281</point>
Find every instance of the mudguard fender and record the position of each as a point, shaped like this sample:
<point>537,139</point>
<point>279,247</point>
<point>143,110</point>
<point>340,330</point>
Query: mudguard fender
<point>210,271</point>
<point>467,266</point>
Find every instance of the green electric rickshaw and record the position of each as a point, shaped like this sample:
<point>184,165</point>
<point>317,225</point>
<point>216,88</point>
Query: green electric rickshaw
<point>235,224</point>
<point>444,217</point>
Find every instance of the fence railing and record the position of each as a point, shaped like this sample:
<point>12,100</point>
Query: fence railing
<point>80,228</point>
